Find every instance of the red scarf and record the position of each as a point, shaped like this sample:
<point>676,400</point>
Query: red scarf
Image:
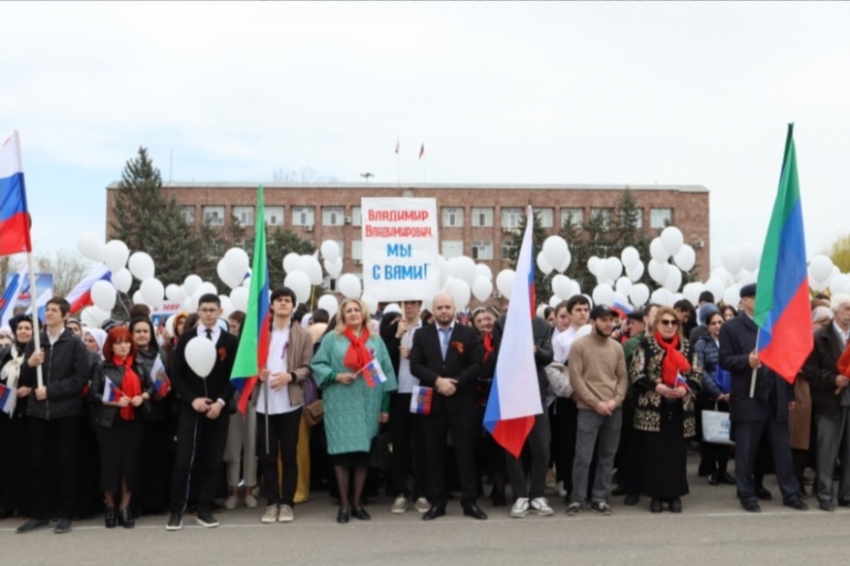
<point>844,362</point>
<point>357,355</point>
<point>674,362</point>
<point>131,385</point>
<point>488,345</point>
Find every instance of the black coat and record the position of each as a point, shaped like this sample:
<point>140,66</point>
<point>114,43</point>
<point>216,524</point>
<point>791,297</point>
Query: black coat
<point>189,386</point>
<point>156,409</point>
<point>820,370</point>
<point>65,371</point>
<point>542,335</point>
<point>463,363</point>
<point>105,414</point>
<point>772,394</point>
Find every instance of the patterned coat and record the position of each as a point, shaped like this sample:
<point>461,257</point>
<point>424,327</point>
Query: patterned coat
<point>351,412</point>
<point>645,374</point>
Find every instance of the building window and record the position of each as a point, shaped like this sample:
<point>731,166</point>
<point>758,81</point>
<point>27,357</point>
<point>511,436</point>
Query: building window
<point>575,216</point>
<point>356,216</point>
<point>452,248</point>
<point>214,215</point>
<point>511,217</point>
<point>332,215</point>
<point>188,213</point>
<point>506,249</point>
<point>274,215</point>
<point>244,214</point>
<point>356,250</point>
<point>303,215</point>
<point>604,213</point>
<point>452,216</point>
<point>547,217</point>
<point>482,217</point>
<point>660,217</point>
<point>482,250</point>
<point>639,218</point>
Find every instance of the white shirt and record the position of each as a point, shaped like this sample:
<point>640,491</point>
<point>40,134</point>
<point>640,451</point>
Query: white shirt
<point>51,338</point>
<point>562,343</point>
<point>406,381</point>
<point>277,362</point>
<point>216,332</point>
<point>844,335</point>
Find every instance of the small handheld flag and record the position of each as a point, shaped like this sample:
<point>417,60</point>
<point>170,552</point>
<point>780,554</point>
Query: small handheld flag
<point>373,374</point>
<point>111,393</point>
<point>421,399</point>
<point>160,378</point>
<point>8,398</point>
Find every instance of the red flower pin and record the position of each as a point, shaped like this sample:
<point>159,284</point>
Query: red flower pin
<point>222,354</point>
<point>458,346</point>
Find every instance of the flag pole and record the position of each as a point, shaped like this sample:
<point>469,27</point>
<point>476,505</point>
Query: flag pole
<point>36,333</point>
<point>755,370</point>
<point>266,399</point>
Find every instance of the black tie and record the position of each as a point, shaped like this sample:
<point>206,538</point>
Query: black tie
<point>209,333</point>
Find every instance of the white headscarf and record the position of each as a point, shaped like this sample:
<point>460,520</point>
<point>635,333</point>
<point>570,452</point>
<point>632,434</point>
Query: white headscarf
<point>99,337</point>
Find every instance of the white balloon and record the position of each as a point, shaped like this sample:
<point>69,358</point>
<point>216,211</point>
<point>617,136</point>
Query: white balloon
<point>623,286</point>
<point>247,283</point>
<point>122,279</point>
<point>692,291</point>
<point>349,286</point>
<point>191,283</point>
<point>561,287</point>
<point>334,268</point>
<point>543,264</point>
<point>662,297</point>
<point>483,270</point>
<point>181,294</point>
<point>730,258</point>
<point>237,263</point>
<point>200,355</point>
<point>172,292</point>
<point>300,283</point>
<point>673,281</point>
<point>566,263</point>
<point>115,255</point>
<point>553,302</point>
<point>329,303</point>
<point>370,302</point>
<point>141,266</point>
<point>716,287</point>
<point>505,282</point>
<point>555,250</point>
<point>603,295</point>
<point>745,277</point>
<point>630,257</point>
<point>594,265</point>
<point>672,240</point>
<point>750,256</point>
<point>575,288</point>
<point>620,299</point>
<point>463,268</point>
<point>817,286</point>
<point>657,251</point>
<point>636,272</point>
<point>639,294</point>
<point>613,268</point>
<point>138,299</point>
<point>93,316</point>
<point>239,298</point>
<point>732,296</point>
<point>391,308</point>
<point>312,269</point>
<point>152,292</point>
<point>444,270</point>
<point>659,271</point>
<point>226,276</point>
<point>723,276</point>
<point>330,250</point>
<point>290,262</point>
<point>820,268</point>
<point>91,246</point>
<point>226,306</point>
<point>840,283</point>
<point>459,291</point>
<point>103,295</point>
<point>686,258</point>
<point>481,288</point>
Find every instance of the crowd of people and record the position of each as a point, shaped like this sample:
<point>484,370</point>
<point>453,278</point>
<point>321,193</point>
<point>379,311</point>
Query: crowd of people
<point>115,420</point>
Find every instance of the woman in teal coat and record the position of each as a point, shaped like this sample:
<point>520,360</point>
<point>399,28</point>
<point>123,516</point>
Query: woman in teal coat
<point>353,407</point>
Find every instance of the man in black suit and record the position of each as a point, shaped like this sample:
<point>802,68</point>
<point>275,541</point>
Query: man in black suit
<point>764,413</point>
<point>201,428</point>
<point>447,356</point>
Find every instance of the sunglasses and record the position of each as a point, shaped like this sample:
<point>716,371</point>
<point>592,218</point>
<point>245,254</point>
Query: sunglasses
<point>669,322</point>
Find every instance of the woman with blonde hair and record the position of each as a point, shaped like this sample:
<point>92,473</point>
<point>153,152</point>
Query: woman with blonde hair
<point>355,399</point>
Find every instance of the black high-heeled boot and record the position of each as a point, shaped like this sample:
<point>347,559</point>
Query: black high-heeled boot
<point>109,518</point>
<point>127,518</point>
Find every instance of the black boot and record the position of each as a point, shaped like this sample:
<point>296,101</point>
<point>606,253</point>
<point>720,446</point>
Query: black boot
<point>109,518</point>
<point>127,518</point>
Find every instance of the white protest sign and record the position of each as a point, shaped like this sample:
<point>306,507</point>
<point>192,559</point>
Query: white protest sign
<point>400,248</point>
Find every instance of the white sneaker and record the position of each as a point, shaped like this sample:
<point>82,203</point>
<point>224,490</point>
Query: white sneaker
<point>540,506</point>
<point>286,514</point>
<point>520,508</point>
<point>230,502</point>
<point>250,501</point>
<point>399,505</point>
<point>422,505</point>
<point>271,515</point>
<point>559,489</point>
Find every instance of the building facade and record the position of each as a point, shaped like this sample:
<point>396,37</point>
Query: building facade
<point>474,220</point>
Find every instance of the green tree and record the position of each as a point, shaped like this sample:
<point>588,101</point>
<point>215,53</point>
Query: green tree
<point>542,284</point>
<point>839,252</point>
<point>280,242</point>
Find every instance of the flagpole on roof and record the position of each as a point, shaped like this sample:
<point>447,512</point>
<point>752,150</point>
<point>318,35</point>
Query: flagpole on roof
<point>397,161</point>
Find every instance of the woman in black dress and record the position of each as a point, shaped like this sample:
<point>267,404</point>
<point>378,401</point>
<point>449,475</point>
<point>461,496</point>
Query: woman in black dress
<point>666,381</point>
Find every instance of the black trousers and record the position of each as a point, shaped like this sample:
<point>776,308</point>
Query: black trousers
<point>463,428</point>
<point>283,442</point>
<point>566,425</point>
<point>538,443</point>
<point>408,437</point>
<point>200,446</point>
<point>747,436</point>
<point>628,461</point>
<point>54,459</point>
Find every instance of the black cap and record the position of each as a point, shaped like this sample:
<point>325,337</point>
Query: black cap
<point>637,315</point>
<point>599,311</point>
<point>748,290</point>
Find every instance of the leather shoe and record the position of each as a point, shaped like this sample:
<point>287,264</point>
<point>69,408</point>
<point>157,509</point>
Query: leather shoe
<point>343,515</point>
<point>763,494</point>
<point>109,518</point>
<point>31,525</point>
<point>751,506</point>
<point>361,514</point>
<point>62,527</point>
<point>656,506</point>
<point>127,518</point>
<point>843,502</point>
<point>631,499</point>
<point>676,505</point>
<point>797,504</point>
<point>713,478</point>
<point>433,513</point>
<point>727,478</point>
<point>826,506</point>
<point>474,512</point>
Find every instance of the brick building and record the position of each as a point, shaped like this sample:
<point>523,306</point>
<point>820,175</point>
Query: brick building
<point>475,220</point>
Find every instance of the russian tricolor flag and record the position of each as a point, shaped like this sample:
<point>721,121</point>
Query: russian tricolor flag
<point>80,295</point>
<point>421,399</point>
<point>111,393</point>
<point>8,398</point>
<point>14,216</point>
<point>515,395</point>
<point>373,374</point>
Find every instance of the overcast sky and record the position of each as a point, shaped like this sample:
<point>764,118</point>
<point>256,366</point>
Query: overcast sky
<point>609,92</point>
